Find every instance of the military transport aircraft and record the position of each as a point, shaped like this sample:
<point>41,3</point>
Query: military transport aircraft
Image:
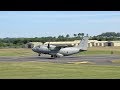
<point>59,51</point>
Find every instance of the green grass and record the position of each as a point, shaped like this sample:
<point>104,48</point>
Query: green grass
<point>16,52</point>
<point>42,70</point>
<point>35,70</point>
<point>101,50</point>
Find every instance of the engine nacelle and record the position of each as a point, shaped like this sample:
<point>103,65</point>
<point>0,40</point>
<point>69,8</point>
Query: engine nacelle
<point>52,47</point>
<point>59,55</point>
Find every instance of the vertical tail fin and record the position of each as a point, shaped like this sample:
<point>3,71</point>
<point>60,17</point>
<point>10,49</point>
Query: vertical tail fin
<point>83,44</point>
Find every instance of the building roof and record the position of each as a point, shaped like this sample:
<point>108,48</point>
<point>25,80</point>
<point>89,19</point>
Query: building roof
<point>114,41</point>
<point>35,42</point>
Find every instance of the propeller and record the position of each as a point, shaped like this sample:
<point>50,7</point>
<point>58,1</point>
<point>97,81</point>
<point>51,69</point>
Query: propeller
<point>48,45</point>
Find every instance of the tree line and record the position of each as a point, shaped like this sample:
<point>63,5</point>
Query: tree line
<point>20,42</point>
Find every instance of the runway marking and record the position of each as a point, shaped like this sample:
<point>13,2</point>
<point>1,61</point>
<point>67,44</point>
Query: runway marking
<point>82,62</point>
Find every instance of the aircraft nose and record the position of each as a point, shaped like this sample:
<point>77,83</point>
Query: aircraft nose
<point>34,49</point>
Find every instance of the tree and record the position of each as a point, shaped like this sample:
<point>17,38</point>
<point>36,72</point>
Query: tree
<point>79,34</point>
<point>87,35</point>
<point>25,41</point>
<point>67,36</point>
<point>75,35</point>
<point>61,38</point>
<point>82,34</point>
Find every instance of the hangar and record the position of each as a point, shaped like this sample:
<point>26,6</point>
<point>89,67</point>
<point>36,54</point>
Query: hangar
<point>98,43</point>
<point>91,43</point>
<point>71,43</point>
<point>112,43</point>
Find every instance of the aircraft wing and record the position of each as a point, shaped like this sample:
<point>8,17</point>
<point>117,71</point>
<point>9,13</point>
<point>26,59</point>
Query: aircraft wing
<point>58,47</point>
<point>61,46</point>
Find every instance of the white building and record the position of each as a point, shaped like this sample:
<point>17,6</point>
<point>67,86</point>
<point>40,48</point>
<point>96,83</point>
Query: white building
<point>91,43</point>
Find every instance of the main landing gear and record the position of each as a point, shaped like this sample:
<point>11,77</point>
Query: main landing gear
<point>53,56</point>
<point>39,54</point>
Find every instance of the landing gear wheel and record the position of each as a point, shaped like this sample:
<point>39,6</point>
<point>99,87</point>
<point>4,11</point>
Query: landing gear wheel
<point>55,56</point>
<point>38,54</point>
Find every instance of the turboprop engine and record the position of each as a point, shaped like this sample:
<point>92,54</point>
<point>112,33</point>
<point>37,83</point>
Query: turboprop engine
<point>51,47</point>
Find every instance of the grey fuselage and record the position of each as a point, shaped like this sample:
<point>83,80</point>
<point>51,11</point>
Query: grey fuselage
<point>53,50</point>
<point>61,50</point>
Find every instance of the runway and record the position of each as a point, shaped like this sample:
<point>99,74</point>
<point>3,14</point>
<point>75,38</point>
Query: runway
<point>97,59</point>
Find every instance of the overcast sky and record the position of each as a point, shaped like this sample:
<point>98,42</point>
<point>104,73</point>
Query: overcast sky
<point>54,23</point>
